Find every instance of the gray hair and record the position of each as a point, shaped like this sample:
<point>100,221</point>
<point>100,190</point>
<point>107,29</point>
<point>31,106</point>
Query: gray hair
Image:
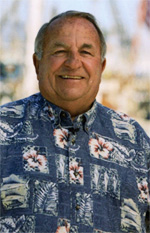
<point>39,40</point>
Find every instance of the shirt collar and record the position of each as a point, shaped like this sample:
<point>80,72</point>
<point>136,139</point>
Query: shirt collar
<point>62,118</point>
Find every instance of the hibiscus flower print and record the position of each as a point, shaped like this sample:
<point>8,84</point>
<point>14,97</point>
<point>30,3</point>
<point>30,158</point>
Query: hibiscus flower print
<point>99,147</point>
<point>144,191</point>
<point>76,172</point>
<point>61,137</point>
<point>123,116</point>
<point>62,230</point>
<point>51,113</point>
<point>34,161</point>
<point>64,226</point>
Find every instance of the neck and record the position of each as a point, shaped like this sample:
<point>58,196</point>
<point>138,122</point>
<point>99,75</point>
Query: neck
<point>75,108</point>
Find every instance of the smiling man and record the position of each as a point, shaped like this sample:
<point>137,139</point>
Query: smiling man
<point>69,164</point>
<point>70,69</point>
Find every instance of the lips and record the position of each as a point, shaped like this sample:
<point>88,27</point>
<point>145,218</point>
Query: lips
<point>70,77</point>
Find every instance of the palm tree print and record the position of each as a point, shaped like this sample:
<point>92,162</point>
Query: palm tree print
<point>46,197</point>
<point>84,208</point>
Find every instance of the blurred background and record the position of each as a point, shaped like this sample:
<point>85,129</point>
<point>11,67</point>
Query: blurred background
<point>126,25</point>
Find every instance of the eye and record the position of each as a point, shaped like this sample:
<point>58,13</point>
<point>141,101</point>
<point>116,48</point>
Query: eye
<point>85,52</point>
<point>60,52</point>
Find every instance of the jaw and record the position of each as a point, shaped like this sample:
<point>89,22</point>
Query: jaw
<point>69,99</point>
<point>73,93</point>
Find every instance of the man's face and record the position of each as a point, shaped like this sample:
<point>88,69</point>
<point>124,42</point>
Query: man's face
<point>71,67</point>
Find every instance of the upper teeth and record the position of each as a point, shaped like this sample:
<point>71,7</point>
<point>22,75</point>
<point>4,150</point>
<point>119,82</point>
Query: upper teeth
<point>71,77</point>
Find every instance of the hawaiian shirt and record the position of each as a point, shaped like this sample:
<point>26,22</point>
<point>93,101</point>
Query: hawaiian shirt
<point>59,176</point>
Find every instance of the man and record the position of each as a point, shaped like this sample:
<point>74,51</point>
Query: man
<point>68,163</point>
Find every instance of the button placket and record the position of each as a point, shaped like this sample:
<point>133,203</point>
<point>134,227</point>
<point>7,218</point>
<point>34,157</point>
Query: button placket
<point>71,143</point>
<point>73,139</point>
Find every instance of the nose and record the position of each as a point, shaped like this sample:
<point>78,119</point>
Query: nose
<point>73,61</point>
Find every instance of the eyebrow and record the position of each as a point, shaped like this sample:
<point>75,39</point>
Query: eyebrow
<point>88,46</point>
<point>61,44</point>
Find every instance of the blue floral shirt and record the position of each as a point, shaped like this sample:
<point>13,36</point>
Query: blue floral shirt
<point>59,176</point>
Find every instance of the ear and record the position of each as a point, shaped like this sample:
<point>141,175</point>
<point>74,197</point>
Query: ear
<point>103,65</point>
<point>36,63</point>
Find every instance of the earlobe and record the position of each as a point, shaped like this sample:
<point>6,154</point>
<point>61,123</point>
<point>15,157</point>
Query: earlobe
<point>36,63</point>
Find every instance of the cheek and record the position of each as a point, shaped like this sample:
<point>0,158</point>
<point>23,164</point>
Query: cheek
<point>98,71</point>
<point>49,66</point>
<point>95,78</point>
<point>55,63</point>
<point>93,66</point>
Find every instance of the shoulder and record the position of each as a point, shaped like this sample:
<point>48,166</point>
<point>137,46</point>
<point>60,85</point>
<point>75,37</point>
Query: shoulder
<point>113,114</point>
<point>16,119</point>
<point>125,127</point>
<point>116,116</point>
<point>16,109</point>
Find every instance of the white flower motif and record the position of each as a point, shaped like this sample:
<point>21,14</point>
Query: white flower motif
<point>108,146</point>
<point>63,229</point>
<point>61,136</point>
<point>35,160</point>
<point>99,147</point>
<point>76,172</point>
<point>123,116</point>
<point>143,187</point>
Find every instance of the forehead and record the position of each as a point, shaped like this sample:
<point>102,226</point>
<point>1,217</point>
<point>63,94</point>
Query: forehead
<point>72,27</point>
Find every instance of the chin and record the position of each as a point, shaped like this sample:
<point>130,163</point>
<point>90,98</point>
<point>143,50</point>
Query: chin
<point>72,97</point>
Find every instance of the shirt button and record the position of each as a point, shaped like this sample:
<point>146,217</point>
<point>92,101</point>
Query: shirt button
<point>73,140</point>
<point>87,129</point>
<point>77,207</point>
<point>63,114</point>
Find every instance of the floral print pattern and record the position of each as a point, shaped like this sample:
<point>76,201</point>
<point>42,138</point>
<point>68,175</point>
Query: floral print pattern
<point>50,112</point>
<point>123,116</point>
<point>144,190</point>
<point>92,172</point>
<point>35,161</point>
<point>100,148</point>
<point>61,137</point>
<point>62,230</point>
<point>64,226</point>
<point>76,171</point>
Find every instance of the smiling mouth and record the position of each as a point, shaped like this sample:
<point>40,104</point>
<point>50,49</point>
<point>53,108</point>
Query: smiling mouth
<point>70,77</point>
